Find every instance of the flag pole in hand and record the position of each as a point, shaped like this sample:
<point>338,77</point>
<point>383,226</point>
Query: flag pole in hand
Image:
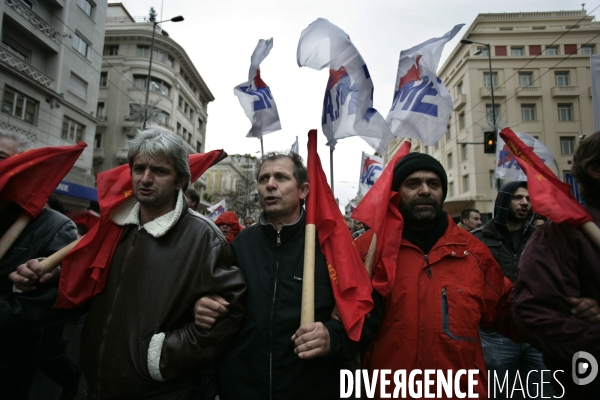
<point>307,313</point>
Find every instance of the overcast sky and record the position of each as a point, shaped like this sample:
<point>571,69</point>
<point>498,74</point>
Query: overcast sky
<point>219,37</point>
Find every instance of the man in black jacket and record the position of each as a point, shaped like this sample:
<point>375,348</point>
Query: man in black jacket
<point>21,314</point>
<point>272,357</point>
<point>506,236</point>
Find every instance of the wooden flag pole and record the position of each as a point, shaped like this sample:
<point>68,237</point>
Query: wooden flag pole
<point>11,235</point>
<point>307,314</point>
<point>592,231</point>
<point>48,264</point>
<point>370,258</point>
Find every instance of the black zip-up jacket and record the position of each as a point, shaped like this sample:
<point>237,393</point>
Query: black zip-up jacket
<point>261,363</point>
<point>496,236</point>
<point>44,235</point>
<point>502,249</point>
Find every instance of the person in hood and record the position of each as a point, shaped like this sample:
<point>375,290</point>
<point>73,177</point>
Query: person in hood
<point>229,225</point>
<point>506,236</point>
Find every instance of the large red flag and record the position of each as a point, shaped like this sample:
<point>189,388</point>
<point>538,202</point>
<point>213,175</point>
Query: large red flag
<point>85,268</point>
<point>30,177</point>
<point>549,196</point>
<point>349,279</point>
<point>379,210</point>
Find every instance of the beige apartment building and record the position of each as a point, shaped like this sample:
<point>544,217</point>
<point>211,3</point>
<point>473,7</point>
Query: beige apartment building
<point>178,96</point>
<point>50,60</point>
<point>542,86</point>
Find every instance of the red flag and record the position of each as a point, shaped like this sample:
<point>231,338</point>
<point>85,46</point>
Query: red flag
<point>549,196</point>
<point>349,279</point>
<point>30,177</point>
<point>379,210</point>
<point>85,268</point>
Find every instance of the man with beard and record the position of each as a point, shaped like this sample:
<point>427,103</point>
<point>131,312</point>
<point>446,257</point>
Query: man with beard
<point>558,265</point>
<point>447,284</point>
<point>506,236</point>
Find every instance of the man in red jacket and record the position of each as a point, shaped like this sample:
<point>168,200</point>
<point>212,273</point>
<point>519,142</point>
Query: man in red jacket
<point>447,284</point>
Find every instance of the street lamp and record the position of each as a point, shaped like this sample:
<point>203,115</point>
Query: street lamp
<point>178,18</point>
<point>467,41</point>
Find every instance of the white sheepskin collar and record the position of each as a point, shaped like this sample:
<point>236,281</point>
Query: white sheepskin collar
<point>129,214</point>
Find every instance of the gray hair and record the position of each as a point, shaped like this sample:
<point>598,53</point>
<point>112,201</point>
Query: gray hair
<point>22,141</point>
<point>160,141</point>
<point>300,171</point>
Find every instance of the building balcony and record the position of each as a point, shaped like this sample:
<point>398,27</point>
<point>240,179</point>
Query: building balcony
<point>34,21</point>
<point>565,91</point>
<point>14,62</point>
<point>460,101</point>
<point>528,91</point>
<point>499,91</point>
<point>102,120</point>
<point>121,156</point>
<point>98,156</point>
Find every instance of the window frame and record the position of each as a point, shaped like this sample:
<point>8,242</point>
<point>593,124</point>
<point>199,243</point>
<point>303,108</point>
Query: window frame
<point>584,50</point>
<point>78,40</point>
<point>83,4</point>
<point>564,76</point>
<point>466,183</point>
<point>518,49</point>
<point>74,89</point>
<point>525,77</point>
<point>528,109</point>
<point>567,143</point>
<point>25,102</point>
<point>77,134</point>
<point>493,80</point>
<point>565,112</point>
<point>103,79</point>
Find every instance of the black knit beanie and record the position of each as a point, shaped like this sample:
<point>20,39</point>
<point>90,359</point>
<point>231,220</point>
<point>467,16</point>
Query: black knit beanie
<point>415,162</point>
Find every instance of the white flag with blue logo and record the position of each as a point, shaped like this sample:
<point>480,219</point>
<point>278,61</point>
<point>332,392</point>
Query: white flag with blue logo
<point>217,209</point>
<point>255,96</point>
<point>348,105</point>
<point>370,170</point>
<point>422,104</point>
<point>506,164</point>
<point>295,147</point>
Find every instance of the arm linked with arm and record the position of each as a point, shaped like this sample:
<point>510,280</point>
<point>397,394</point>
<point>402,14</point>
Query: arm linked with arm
<point>183,348</point>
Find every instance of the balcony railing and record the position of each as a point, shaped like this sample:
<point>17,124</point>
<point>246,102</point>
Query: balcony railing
<point>34,19</point>
<point>499,91</point>
<point>24,67</point>
<point>528,91</point>
<point>564,91</point>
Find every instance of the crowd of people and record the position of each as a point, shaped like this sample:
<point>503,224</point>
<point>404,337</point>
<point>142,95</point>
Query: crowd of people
<point>195,309</point>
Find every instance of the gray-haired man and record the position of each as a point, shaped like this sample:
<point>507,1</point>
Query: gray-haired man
<point>139,339</point>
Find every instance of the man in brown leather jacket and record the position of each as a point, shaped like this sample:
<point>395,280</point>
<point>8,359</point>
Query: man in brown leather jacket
<point>139,339</point>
